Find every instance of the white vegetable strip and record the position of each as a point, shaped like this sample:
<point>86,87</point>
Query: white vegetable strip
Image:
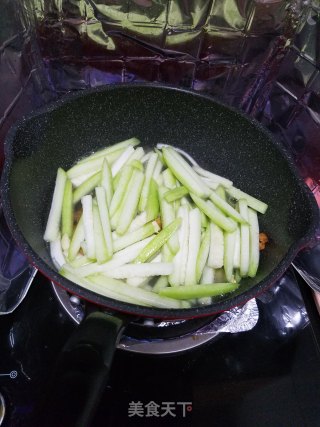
<point>135,236</point>
<point>204,220</point>
<point>174,278</point>
<point>125,177</point>
<point>176,194</point>
<point>166,254</point>
<point>137,164</point>
<point>105,286</point>
<point>205,300</point>
<point>207,276</point>
<point>114,219</point>
<point>114,172</point>
<point>121,161</point>
<point>88,225</point>
<point>160,155</point>
<point>88,168</point>
<point>184,173</point>
<point>203,253</point>
<point>77,238</point>
<point>221,192</point>
<point>86,187</point>
<point>67,210</point>
<point>157,170</point>
<point>147,297</point>
<point>226,208</point>
<point>206,279</point>
<point>158,258</point>
<point>114,156</point>
<point>53,225</point>
<point>152,205</point>
<point>146,269</point>
<point>101,252</point>
<point>138,221</point>
<point>137,154</point>
<point>182,152</point>
<point>119,258</point>
<point>145,189</point>
<point>254,203</point>
<point>159,180</point>
<point>80,261</point>
<point>244,239</point>
<point>146,157</point>
<point>214,213</point>
<point>211,184</point>
<point>229,245</point>
<point>194,246</point>
<point>216,251</point>
<point>118,147</point>
<point>106,181</point>
<point>138,281</point>
<point>158,241</point>
<point>254,243</point>
<point>162,282</point>
<point>116,179</point>
<point>167,216</point>
<point>56,253</point>
<point>168,179</point>
<point>105,220</point>
<point>236,258</point>
<point>129,204</point>
<point>216,178</point>
<point>185,202</point>
<point>65,242</point>
<point>76,182</point>
<point>84,248</point>
<point>184,246</point>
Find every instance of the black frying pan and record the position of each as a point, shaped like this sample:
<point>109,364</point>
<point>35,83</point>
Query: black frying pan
<point>219,138</point>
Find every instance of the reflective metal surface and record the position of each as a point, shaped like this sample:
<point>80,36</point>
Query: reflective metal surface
<point>71,304</point>
<point>236,320</point>
<point>16,275</point>
<point>239,319</point>
<point>2,409</point>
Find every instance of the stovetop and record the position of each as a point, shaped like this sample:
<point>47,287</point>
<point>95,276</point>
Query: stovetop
<point>268,376</point>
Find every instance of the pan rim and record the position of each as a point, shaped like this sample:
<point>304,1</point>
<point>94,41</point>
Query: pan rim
<point>113,304</point>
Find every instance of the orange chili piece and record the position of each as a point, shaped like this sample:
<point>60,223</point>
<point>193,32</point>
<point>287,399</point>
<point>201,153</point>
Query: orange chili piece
<point>263,240</point>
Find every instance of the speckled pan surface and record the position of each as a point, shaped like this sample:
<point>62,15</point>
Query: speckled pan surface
<point>219,138</point>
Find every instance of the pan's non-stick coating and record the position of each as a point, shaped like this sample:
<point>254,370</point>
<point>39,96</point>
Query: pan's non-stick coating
<point>220,139</point>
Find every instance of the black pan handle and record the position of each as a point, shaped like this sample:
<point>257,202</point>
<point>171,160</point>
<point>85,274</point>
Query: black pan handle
<point>81,372</point>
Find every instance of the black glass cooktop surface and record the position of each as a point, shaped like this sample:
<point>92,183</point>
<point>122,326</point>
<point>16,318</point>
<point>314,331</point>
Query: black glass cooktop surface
<point>268,376</point>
